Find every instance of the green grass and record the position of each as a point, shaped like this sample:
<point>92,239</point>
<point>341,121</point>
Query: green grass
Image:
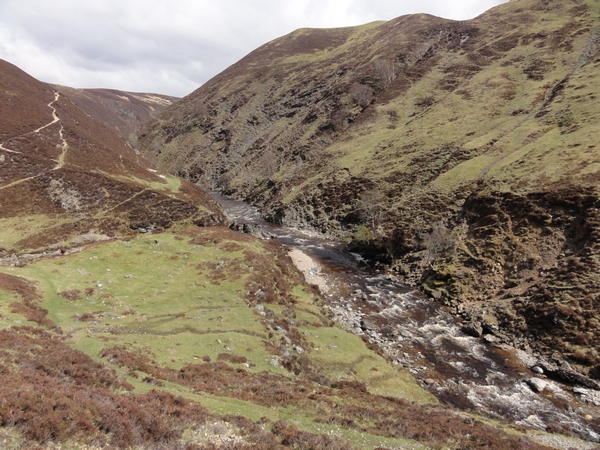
<point>148,290</point>
<point>345,357</point>
<point>154,294</point>
<point>14,229</point>
<point>173,183</point>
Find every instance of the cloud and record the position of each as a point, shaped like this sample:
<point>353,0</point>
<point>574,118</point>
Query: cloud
<point>170,46</point>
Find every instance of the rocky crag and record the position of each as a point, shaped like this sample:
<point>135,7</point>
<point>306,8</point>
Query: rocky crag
<point>463,153</point>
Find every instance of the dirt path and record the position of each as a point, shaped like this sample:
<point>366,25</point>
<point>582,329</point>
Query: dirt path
<point>2,147</point>
<point>64,145</point>
<point>102,213</point>
<point>22,180</point>
<point>55,117</point>
<point>65,148</point>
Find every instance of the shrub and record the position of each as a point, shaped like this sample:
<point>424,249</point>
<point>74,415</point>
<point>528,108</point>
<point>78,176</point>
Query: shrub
<point>74,294</point>
<point>232,358</point>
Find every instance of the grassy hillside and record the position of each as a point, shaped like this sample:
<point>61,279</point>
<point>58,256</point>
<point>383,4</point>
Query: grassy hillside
<point>198,337</point>
<point>463,153</point>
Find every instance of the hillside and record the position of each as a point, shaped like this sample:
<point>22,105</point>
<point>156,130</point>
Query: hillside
<point>129,321</point>
<point>125,112</point>
<point>182,359</point>
<point>462,153</point>
<point>67,179</point>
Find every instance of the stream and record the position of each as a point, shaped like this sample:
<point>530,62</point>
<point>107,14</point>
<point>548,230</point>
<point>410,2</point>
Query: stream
<point>413,332</point>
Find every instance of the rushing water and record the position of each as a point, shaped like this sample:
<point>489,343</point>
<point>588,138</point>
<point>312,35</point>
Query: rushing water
<point>424,338</point>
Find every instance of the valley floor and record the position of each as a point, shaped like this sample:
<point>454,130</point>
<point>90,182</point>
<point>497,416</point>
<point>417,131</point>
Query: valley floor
<point>203,337</point>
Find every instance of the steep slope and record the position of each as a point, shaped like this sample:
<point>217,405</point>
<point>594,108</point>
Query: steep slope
<point>125,112</point>
<point>464,152</point>
<point>66,179</point>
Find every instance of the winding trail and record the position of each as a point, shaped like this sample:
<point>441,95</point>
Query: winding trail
<point>63,145</point>
<point>65,148</point>
<point>103,213</point>
<point>22,180</point>
<point>2,147</point>
<point>55,117</point>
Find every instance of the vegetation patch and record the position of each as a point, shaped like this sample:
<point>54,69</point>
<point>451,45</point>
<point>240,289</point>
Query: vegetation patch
<point>146,324</point>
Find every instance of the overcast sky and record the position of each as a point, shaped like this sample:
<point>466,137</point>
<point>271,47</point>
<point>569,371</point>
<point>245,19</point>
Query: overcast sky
<point>173,46</point>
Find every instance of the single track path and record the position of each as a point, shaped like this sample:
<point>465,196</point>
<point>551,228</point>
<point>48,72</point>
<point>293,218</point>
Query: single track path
<point>60,162</point>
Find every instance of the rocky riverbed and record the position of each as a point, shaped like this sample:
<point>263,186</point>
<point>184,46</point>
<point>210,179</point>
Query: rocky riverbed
<point>461,364</point>
<point>474,373</point>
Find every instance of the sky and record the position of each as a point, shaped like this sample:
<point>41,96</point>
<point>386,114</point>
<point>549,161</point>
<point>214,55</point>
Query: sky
<point>174,46</point>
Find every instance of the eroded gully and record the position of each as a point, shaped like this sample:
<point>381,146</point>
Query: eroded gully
<point>412,331</point>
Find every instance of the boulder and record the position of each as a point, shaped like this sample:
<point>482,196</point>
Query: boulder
<point>367,325</point>
<point>537,384</point>
<point>472,329</point>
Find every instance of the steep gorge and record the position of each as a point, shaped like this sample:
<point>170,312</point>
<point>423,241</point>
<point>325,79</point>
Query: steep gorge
<point>463,153</point>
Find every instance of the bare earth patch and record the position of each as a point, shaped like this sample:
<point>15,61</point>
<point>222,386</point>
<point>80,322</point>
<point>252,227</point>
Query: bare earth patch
<point>310,268</point>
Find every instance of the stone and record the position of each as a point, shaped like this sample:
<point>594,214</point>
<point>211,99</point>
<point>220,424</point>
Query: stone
<point>532,421</point>
<point>429,381</point>
<point>367,325</point>
<point>588,395</point>
<point>472,329</point>
<point>565,366</point>
<point>537,369</point>
<point>537,384</point>
<point>274,361</point>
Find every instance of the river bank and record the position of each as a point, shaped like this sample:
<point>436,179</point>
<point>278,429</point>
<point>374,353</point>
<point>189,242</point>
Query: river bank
<point>473,373</point>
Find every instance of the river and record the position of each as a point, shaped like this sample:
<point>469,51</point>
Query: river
<point>412,331</point>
